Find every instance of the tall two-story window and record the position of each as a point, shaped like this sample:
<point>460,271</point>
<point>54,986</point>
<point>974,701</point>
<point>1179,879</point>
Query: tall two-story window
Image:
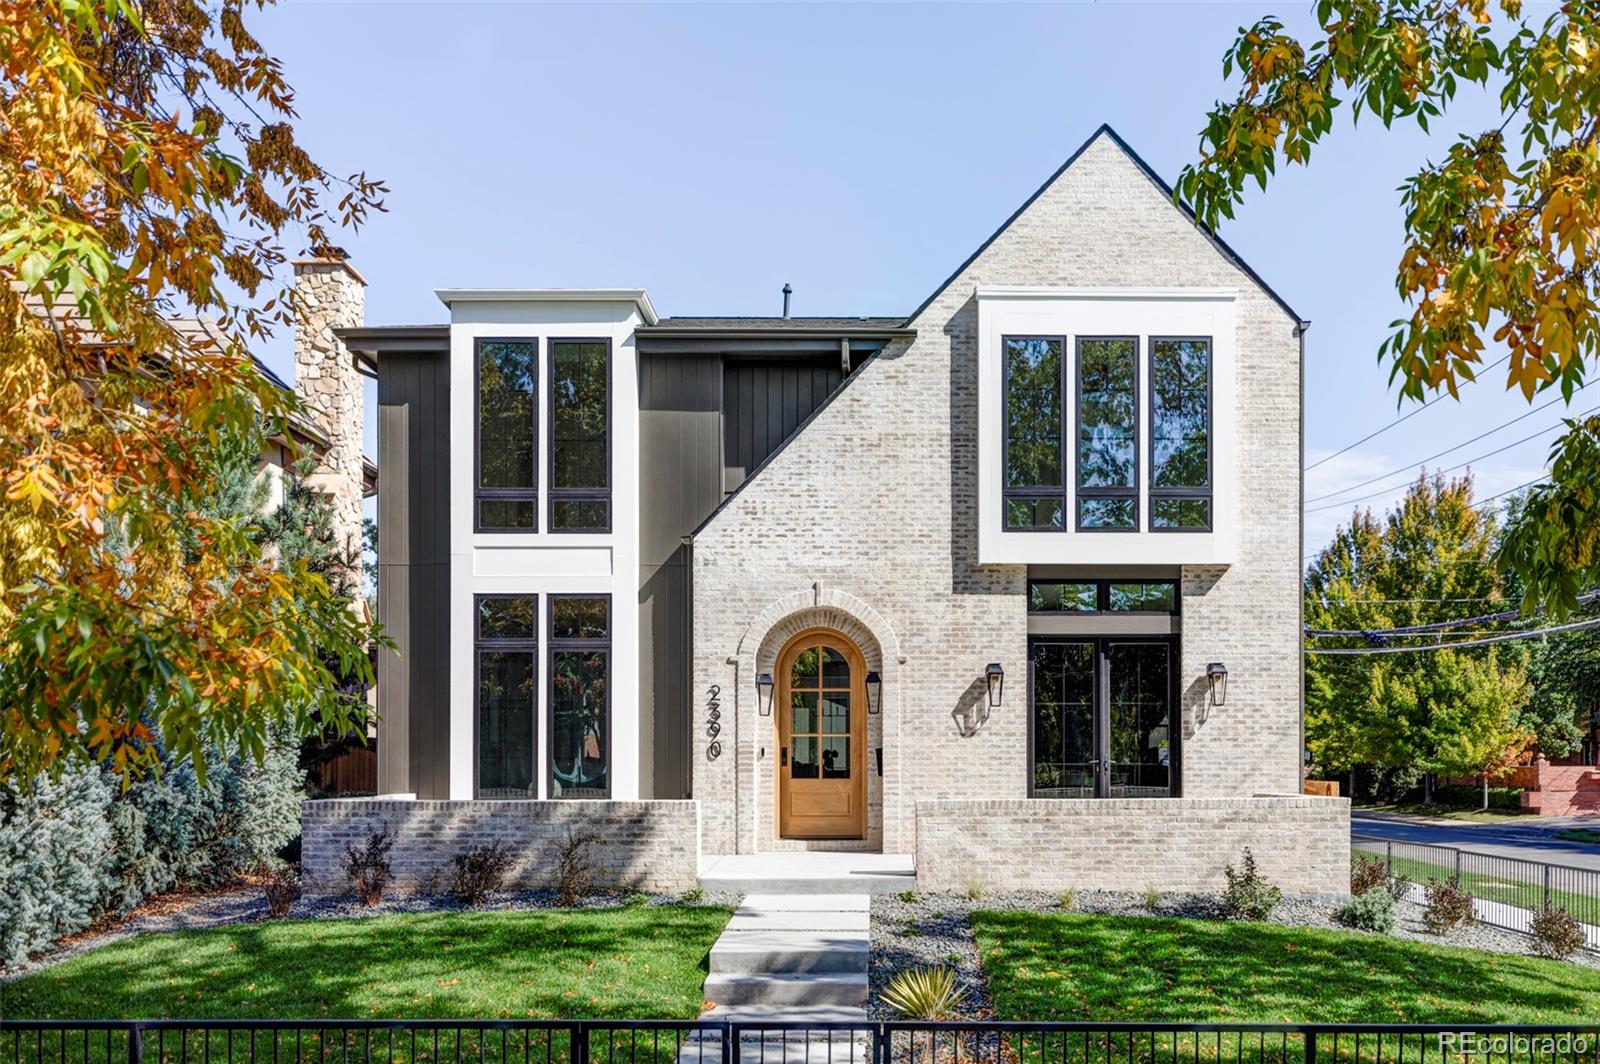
<point>1108,433</point>
<point>1035,494</point>
<point>506,639</point>
<point>507,491</point>
<point>580,696</point>
<point>1180,434</point>
<point>580,436</point>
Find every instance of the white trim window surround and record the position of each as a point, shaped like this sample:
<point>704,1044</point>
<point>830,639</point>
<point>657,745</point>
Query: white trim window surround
<point>1105,425</point>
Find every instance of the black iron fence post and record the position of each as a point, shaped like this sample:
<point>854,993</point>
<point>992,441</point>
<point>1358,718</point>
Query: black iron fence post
<point>730,1043</point>
<point>580,1043</point>
<point>135,1044</point>
<point>1311,1047</point>
<point>1547,886</point>
<point>1458,868</point>
<point>1388,855</point>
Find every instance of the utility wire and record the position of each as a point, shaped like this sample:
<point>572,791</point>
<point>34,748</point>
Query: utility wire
<point>1448,450</point>
<point>1452,469</point>
<point>1480,642</point>
<point>1398,420</point>
<point>1504,615</point>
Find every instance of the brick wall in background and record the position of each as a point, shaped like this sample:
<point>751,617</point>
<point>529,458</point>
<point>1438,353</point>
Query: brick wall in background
<point>648,846</point>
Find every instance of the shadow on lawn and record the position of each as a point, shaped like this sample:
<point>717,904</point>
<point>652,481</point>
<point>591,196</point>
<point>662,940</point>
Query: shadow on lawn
<point>1134,968</point>
<point>605,963</point>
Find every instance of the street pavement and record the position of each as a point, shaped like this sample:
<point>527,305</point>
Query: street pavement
<point>1534,840</point>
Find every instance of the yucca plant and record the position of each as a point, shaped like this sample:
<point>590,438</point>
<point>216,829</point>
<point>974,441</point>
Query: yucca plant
<point>925,993</point>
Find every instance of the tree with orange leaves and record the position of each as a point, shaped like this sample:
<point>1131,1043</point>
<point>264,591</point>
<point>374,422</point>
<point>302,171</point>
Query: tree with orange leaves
<point>1502,235</point>
<point>148,165</point>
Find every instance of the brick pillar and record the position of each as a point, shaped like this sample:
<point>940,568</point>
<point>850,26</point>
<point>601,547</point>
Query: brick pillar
<point>330,294</point>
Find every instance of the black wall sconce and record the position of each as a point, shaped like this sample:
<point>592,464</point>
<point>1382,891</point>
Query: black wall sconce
<point>1217,676</point>
<point>996,676</point>
<point>764,694</point>
<point>874,692</point>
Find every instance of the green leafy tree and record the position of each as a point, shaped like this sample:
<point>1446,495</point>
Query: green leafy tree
<point>1502,233</point>
<point>1440,712</point>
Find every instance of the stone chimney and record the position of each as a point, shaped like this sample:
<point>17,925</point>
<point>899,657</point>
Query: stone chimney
<point>329,294</point>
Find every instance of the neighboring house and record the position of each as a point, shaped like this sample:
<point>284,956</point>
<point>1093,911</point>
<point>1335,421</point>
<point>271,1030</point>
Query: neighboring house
<point>1009,583</point>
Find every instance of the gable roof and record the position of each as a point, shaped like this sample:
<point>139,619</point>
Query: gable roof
<point>1105,130</point>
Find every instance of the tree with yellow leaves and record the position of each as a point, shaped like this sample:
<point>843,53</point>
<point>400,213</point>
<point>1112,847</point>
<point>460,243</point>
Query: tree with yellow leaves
<point>148,165</point>
<point>1501,244</point>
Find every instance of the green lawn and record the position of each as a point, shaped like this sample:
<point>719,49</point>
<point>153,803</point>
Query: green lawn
<point>646,962</point>
<point>1472,815</point>
<point>1067,967</point>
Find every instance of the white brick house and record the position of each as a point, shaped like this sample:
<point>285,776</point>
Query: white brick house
<point>1009,584</point>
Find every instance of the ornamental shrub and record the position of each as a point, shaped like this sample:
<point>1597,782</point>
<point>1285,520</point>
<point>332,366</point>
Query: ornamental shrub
<point>1250,895</point>
<point>1448,906</point>
<point>1368,873</point>
<point>54,841</point>
<point>1556,934</point>
<point>1372,911</point>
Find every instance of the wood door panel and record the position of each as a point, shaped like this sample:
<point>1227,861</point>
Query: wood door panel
<point>821,722</point>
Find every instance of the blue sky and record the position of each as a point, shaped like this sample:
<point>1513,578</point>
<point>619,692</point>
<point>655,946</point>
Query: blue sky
<point>712,153</point>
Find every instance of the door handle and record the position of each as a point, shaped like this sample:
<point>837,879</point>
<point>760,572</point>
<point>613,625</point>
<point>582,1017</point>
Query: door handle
<point>783,757</point>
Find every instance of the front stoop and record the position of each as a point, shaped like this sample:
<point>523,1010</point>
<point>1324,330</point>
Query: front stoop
<point>808,872</point>
<point>798,951</point>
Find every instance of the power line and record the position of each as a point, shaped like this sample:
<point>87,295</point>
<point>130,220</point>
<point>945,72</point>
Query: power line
<point>1452,469</point>
<point>1447,450</point>
<point>1419,629</point>
<point>1396,421</point>
<point>1480,642</point>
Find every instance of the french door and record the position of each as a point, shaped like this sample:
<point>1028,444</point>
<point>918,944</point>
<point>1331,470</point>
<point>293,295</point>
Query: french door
<point>1103,717</point>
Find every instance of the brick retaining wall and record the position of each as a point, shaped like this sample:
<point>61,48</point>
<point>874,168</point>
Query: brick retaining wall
<point>1302,844</point>
<point>652,846</point>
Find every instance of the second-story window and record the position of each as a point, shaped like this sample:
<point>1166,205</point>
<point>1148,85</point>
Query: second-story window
<point>580,436</point>
<point>1180,434</point>
<point>1108,434</point>
<point>1035,496</point>
<point>507,492</point>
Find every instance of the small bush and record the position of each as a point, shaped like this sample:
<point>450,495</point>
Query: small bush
<point>908,896</point>
<point>1368,874</point>
<point>1448,906</point>
<point>1067,899</point>
<point>368,867</point>
<point>636,900</point>
<point>694,896</point>
<point>1372,911</point>
<point>54,843</point>
<point>575,868</point>
<point>925,993</point>
<point>975,890</point>
<point>1399,886</point>
<point>1152,897</point>
<point>282,890</point>
<point>1556,934</point>
<point>1250,896</point>
<point>479,872</point>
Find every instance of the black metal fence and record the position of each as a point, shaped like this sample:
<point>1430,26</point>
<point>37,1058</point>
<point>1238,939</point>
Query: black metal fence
<point>1511,884</point>
<point>782,1042</point>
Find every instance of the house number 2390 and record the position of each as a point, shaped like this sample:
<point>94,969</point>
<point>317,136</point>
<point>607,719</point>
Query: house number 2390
<point>713,722</point>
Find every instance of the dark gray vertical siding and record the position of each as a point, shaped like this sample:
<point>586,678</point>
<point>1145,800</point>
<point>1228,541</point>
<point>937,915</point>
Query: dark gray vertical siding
<point>414,572</point>
<point>766,402</point>
<point>680,466</point>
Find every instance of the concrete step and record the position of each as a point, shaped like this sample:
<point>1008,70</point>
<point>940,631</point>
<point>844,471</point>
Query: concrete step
<point>795,1017</point>
<point>746,918</point>
<point>809,988</point>
<point>799,903</point>
<point>756,952</point>
<point>865,883</point>
<point>808,872</point>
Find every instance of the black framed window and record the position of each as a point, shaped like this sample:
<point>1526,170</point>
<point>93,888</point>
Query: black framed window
<point>580,436</point>
<point>580,696</point>
<point>1103,596</point>
<point>1108,433</point>
<point>1180,434</point>
<point>507,490</point>
<point>506,696</point>
<point>1035,493</point>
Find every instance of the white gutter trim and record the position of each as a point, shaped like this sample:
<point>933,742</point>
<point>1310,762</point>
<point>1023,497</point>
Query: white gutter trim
<point>637,296</point>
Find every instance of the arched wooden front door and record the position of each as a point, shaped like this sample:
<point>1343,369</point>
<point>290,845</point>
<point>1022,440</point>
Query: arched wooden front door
<point>821,706</point>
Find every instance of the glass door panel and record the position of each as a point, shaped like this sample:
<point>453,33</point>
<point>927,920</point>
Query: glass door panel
<point>1064,764</point>
<point>1139,717</point>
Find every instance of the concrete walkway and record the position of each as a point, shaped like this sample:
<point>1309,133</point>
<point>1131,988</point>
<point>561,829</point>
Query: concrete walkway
<point>796,958</point>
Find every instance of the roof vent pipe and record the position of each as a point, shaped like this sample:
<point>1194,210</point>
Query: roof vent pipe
<point>788,290</point>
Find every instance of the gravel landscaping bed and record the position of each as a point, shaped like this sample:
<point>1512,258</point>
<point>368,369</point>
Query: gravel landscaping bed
<point>246,903</point>
<point>935,929</point>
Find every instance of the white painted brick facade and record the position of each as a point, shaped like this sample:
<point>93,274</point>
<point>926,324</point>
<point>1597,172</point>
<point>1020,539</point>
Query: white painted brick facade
<point>1301,844</point>
<point>874,504</point>
<point>644,845</point>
